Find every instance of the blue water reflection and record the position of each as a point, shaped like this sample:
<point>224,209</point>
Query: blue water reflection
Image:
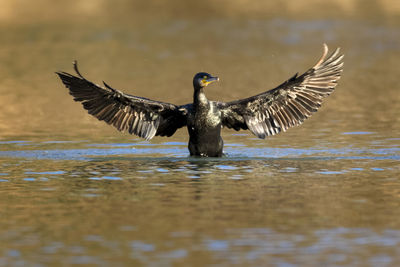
<point>233,152</point>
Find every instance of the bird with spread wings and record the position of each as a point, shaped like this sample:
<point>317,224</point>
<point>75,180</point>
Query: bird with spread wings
<point>265,114</point>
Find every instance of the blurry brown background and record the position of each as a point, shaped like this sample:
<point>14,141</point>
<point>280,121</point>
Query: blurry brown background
<point>153,49</point>
<point>23,11</point>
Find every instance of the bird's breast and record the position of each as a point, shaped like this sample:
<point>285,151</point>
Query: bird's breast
<point>204,118</point>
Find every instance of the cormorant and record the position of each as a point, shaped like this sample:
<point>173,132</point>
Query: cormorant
<point>265,114</point>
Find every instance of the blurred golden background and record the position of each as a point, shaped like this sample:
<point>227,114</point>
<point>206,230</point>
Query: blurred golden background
<point>24,11</point>
<point>153,49</point>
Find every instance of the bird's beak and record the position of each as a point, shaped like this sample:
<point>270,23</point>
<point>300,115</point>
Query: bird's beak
<point>211,80</point>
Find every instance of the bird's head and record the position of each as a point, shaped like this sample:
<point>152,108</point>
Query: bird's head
<point>202,79</point>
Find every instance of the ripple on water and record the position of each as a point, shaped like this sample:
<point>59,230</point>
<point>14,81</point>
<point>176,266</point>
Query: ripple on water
<point>84,259</point>
<point>331,172</point>
<point>237,177</point>
<point>225,167</point>
<point>257,243</point>
<point>141,246</point>
<point>112,178</point>
<point>357,133</point>
<point>289,169</point>
<point>377,169</point>
<point>45,172</point>
<point>3,174</point>
<point>232,151</point>
<point>174,254</point>
<point>13,142</point>
<point>94,238</point>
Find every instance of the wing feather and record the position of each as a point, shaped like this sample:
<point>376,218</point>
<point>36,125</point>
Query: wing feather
<point>287,105</point>
<point>137,115</point>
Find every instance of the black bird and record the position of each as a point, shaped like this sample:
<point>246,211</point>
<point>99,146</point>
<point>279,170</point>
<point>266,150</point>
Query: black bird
<point>264,114</point>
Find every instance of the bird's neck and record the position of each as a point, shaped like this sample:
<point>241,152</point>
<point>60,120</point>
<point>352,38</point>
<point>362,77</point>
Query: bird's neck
<point>199,98</point>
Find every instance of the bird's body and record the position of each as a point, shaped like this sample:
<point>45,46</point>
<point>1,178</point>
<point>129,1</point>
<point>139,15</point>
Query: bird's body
<point>204,125</point>
<point>264,114</point>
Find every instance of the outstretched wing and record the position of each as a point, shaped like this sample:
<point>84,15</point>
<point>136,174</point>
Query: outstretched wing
<point>287,105</point>
<point>137,115</point>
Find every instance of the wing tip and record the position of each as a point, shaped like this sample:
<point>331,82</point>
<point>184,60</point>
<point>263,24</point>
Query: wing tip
<point>324,54</point>
<point>325,59</point>
<point>63,75</point>
<point>75,64</point>
<point>59,73</point>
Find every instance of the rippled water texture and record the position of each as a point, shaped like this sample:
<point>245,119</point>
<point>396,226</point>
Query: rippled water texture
<point>74,191</point>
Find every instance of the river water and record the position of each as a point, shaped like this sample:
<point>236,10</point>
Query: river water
<point>74,191</point>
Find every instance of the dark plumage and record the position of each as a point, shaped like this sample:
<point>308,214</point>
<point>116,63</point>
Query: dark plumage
<point>264,114</point>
